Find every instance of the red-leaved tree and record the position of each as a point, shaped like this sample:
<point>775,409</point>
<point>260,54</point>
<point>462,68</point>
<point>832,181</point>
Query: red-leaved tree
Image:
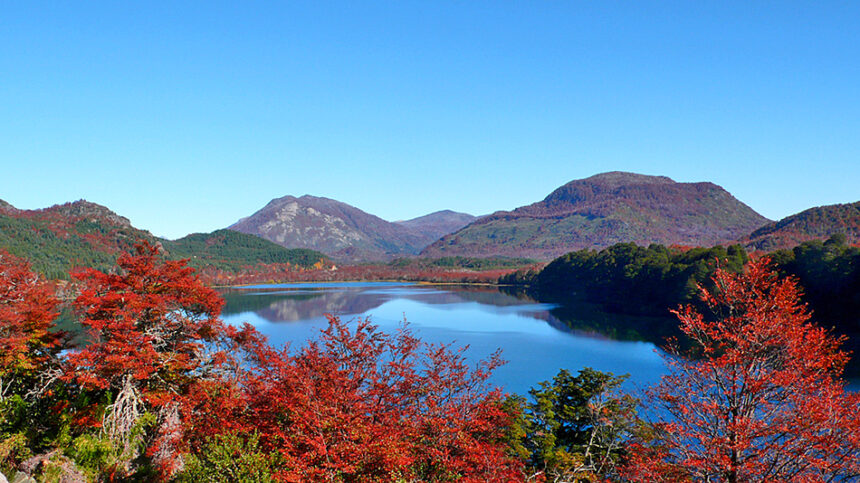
<point>355,405</point>
<point>760,398</point>
<point>154,330</point>
<point>360,405</point>
<point>27,311</point>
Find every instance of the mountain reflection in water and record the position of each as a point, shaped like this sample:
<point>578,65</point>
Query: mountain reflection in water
<point>536,339</point>
<point>298,303</point>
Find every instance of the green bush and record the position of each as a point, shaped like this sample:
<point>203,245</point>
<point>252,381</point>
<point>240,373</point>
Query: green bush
<point>231,458</point>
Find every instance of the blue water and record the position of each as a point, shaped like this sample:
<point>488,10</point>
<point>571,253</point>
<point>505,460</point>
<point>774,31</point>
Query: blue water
<point>315,285</point>
<point>534,341</point>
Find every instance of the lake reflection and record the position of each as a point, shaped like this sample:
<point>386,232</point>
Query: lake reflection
<point>537,339</point>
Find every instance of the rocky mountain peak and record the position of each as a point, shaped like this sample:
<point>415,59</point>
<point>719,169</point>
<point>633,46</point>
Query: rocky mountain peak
<point>88,210</point>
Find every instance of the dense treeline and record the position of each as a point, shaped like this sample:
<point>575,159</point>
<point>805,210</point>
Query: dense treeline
<point>829,273</point>
<point>629,278</point>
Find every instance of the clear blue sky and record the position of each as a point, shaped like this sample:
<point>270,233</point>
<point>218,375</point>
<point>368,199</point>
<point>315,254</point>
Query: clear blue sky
<point>187,116</point>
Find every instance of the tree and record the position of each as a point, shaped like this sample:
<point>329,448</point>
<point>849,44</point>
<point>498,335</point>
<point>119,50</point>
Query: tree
<point>153,328</point>
<point>28,356</point>
<point>760,397</point>
<point>575,427</point>
<point>361,405</point>
<point>28,308</point>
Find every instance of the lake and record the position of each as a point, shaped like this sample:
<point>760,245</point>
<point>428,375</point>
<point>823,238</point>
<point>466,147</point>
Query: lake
<point>537,339</point>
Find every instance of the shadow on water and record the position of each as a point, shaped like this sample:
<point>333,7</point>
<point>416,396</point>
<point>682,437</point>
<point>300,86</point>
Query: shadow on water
<point>584,317</point>
<point>575,315</point>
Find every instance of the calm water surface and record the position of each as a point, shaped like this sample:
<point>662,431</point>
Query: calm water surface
<point>536,339</point>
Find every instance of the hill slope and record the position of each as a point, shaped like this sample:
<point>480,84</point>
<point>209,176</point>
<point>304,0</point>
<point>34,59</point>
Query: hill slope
<point>231,250</point>
<point>436,225</point>
<point>332,227</point>
<point>603,210</point>
<point>84,234</point>
<point>61,237</point>
<point>813,224</point>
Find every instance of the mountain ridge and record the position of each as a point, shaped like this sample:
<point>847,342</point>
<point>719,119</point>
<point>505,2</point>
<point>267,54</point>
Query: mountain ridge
<point>604,209</point>
<point>84,234</point>
<point>340,230</point>
<point>438,224</point>
<point>592,212</point>
<point>816,223</point>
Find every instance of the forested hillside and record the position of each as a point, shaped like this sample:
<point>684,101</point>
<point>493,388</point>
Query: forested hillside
<point>59,238</point>
<point>602,210</point>
<point>231,250</point>
<point>829,273</point>
<point>632,279</point>
<point>82,234</point>
<point>817,223</point>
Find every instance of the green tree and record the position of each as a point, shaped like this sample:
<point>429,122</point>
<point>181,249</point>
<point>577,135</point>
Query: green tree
<point>574,428</point>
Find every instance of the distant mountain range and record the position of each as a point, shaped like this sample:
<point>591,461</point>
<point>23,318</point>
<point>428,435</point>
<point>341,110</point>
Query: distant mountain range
<point>343,231</point>
<point>589,213</point>
<point>603,210</point>
<point>436,225</point>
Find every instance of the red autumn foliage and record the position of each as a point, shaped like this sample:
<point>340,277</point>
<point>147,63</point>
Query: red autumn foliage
<point>155,333</point>
<point>113,234</point>
<point>284,273</point>
<point>360,405</point>
<point>27,310</point>
<point>150,322</point>
<point>760,400</point>
<point>356,405</point>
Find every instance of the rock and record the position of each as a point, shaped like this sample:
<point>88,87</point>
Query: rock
<point>21,477</point>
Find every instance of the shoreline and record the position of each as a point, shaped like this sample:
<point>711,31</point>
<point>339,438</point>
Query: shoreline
<point>412,282</point>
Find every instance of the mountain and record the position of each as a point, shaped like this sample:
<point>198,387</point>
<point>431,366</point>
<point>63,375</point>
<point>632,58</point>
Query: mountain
<point>85,210</point>
<point>62,237</point>
<point>84,234</point>
<point>436,225</point>
<point>603,210</point>
<point>813,224</point>
<point>6,207</point>
<point>332,227</point>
